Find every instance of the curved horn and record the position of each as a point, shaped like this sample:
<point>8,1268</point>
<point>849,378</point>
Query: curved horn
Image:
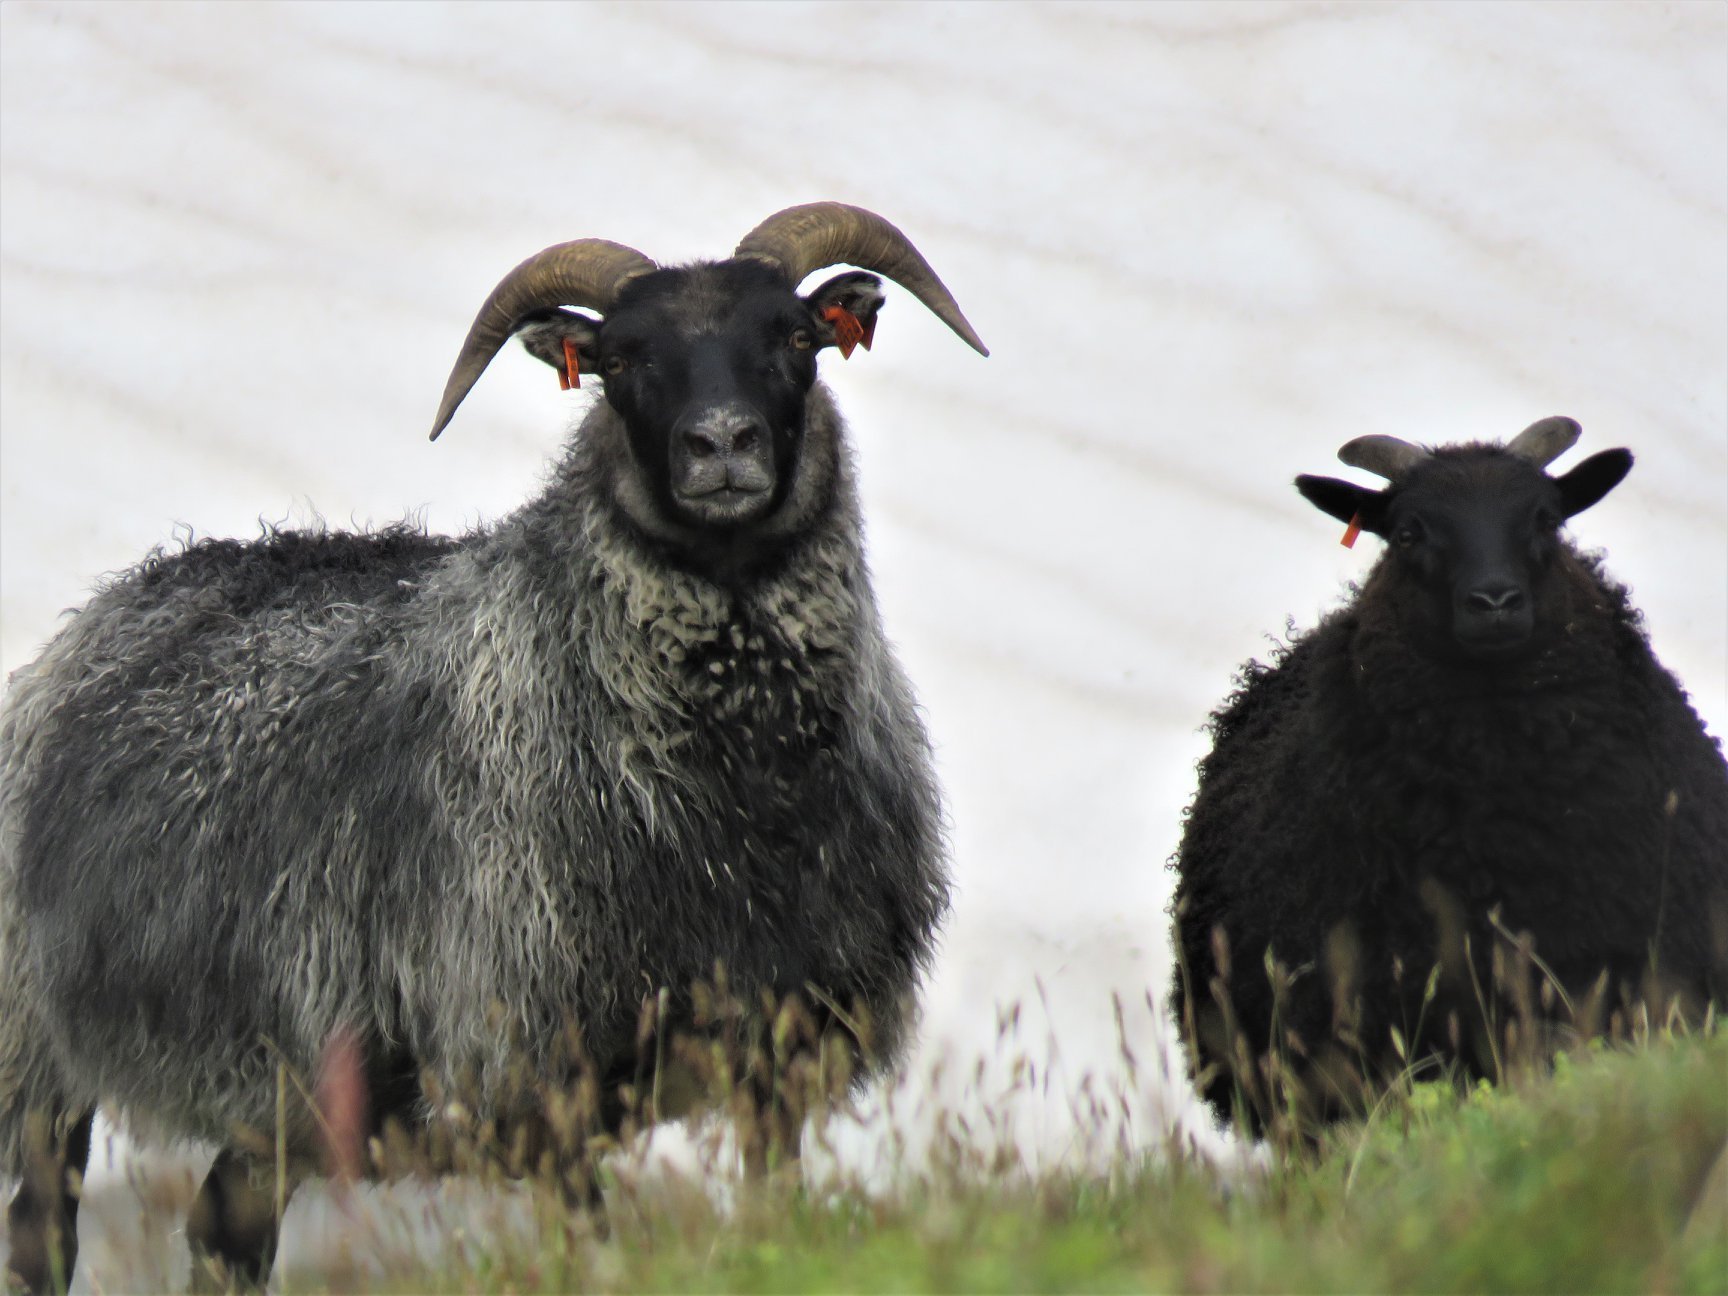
<point>803,239</point>
<point>586,272</point>
<point>1385,455</point>
<point>1546,440</point>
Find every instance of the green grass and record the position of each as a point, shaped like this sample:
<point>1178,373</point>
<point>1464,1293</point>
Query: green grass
<point>1608,1173</point>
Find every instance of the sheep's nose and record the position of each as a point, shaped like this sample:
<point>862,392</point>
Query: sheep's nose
<point>1495,598</point>
<point>736,439</point>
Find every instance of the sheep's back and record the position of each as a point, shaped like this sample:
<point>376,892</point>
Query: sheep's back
<point>199,811</point>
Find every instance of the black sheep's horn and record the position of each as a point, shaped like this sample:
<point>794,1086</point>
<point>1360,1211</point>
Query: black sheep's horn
<point>802,240</point>
<point>1386,456</point>
<point>586,272</point>
<point>1546,440</point>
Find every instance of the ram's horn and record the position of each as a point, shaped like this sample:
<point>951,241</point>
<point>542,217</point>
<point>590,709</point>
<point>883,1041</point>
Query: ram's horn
<point>586,272</point>
<point>1546,440</point>
<point>802,240</point>
<point>1385,455</point>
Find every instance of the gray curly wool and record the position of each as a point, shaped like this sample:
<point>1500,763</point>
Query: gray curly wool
<point>448,794</point>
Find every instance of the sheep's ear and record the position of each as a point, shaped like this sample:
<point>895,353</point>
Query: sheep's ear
<point>1593,479</point>
<point>1346,501</point>
<point>546,333</point>
<point>846,309</point>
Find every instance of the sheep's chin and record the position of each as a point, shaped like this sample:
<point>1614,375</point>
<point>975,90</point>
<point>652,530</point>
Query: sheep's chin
<point>1495,649</point>
<point>726,507</point>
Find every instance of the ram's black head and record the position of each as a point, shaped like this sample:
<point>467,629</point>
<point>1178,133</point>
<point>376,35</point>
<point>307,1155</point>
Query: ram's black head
<point>1473,530</point>
<point>710,365</point>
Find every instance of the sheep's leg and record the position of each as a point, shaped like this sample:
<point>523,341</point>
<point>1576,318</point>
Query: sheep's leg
<point>771,1133</point>
<point>578,1192</point>
<point>576,1179</point>
<point>42,1221</point>
<point>232,1226</point>
<point>772,1142</point>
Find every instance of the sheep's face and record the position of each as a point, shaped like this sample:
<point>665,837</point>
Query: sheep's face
<point>1473,534</point>
<point>710,368</point>
<point>1473,545</point>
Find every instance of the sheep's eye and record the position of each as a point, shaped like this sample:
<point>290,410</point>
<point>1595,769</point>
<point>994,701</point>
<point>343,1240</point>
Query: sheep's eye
<point>614,365</point>
<point>802,340</point>
<point>1406,536</point>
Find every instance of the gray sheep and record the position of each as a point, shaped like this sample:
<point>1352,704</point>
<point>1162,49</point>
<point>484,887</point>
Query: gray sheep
<point>445,797</point>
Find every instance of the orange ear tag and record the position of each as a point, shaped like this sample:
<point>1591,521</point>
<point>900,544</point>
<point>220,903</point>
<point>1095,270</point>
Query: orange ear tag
<point>572,375</point>
<point>848,332</point>
<point>1352,531</point>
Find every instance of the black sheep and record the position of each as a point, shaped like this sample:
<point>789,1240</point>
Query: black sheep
<point>1471,782</point>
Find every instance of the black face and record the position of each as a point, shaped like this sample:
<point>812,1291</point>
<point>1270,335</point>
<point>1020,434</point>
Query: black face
<point>1473,534</point>
<point>1479,539</point>
<point>710,367</point>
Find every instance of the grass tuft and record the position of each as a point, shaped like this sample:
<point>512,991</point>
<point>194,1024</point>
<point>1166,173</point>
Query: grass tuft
<point>1606,1172</point>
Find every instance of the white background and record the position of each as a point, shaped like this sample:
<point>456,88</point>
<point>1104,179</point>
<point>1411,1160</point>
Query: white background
<point>1207,244</point>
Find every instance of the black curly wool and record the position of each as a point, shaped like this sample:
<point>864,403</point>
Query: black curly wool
<point>1370,809</point>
